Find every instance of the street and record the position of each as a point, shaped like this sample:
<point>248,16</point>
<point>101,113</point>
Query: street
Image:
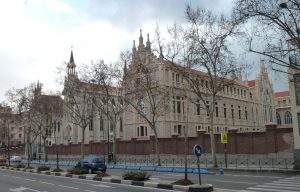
<point>20,181</point>
<point>230,182</point>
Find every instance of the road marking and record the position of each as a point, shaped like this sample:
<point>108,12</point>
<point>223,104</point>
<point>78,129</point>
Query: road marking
<point>272,190</point>
<point>279,187</point>
<point>65,186</point>
<point>242,182</point>
<point>46,183</point>
<point>30,179</point>
<point>89,190</point>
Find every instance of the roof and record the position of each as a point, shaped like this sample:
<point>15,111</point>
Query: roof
<point>251,83</point>
<point>282,94</point>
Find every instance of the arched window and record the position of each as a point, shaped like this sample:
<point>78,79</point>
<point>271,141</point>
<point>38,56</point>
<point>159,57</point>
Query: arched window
<point>278,119</point>
<point>288,118</point>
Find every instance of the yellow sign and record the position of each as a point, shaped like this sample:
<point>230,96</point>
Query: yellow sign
<point>224,138</point>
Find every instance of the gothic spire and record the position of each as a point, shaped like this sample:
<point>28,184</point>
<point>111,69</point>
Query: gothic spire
<point>133,48</point>
<point>71,57</point>
<point>141,41</point>
<point>148,44</point>
<point>71,65</point>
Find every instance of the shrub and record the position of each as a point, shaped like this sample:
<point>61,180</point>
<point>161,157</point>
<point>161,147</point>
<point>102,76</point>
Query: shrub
<point>183,182</point>
<point>101,174</point>
<point>57,170</point>
<point>136,176</point>
<point>78,171</point>
<point>43,168</point>
<point>29,167</point>
<point>19,166</point>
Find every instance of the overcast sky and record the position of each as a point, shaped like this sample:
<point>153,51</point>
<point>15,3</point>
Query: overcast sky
<point>36,36</point>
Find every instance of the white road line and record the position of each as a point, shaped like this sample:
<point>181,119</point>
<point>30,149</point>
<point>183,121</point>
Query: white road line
<point>278,187</point>
<point>272,190</point>
<point>89,190</point>
<point>67,187</point>
<point>46,183</point>
<point>284,184</point>
<point>30,179</point>
<point>242,182</point>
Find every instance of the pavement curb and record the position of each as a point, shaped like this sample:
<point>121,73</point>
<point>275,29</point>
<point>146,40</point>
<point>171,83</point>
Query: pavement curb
<point>192,188</point>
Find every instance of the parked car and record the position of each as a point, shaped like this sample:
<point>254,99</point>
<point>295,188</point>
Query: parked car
<point>93,163</point>
<point>15,159</point>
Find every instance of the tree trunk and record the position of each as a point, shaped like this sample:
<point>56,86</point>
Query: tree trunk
<point>212,141</point>
<point>114,144</point>
<point>157,150</point>
<point>82,144</point>
<point>45,150</point>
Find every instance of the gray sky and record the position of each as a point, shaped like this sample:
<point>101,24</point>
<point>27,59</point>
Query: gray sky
<point>37,35</point>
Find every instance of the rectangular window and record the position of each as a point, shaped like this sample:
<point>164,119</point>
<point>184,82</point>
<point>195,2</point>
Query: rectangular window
<point>198,107</point>
<point>232,112</point>
<point>101,124</point>
<point>179,130</point>
<point>178,104</point>
<point>239,112</point>
<point>177,78</point>
<point>173,77</point>
<point>91,125</point>
<point>121,124</point>
<point>142,131</point>
<point>225,112</point>
<point>138,131</point>
<point>246,113</point>
<point>217,111</point>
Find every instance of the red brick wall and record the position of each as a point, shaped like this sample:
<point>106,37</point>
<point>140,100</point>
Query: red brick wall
<point>272,141</point>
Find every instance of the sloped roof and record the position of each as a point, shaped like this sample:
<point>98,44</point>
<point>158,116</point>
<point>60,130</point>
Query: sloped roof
<point>282,94</point>
<point>251,83</point>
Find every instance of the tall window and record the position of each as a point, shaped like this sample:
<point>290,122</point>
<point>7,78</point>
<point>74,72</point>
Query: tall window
<point>101,124</point>
<point>178,129</point>
<point>198,107</point>
<point>246,113</point>
<point>178,103</point>
<point>232,112</point>
<point>121,124</point>
<point>91,125</point>
<point>239,112</point>
<point>225,112</point>
<point>142,131</point>
<point>217,111</point>
<point>278,118</point>
<point>288,118</point>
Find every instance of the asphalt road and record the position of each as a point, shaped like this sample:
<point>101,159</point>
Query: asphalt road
<point>12,181</point>
<point>229,182</point>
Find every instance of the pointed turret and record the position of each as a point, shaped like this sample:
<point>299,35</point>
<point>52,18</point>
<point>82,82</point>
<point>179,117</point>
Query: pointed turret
<point>71,65</point>
<point>161,56</point>
<point>148,44</point>
<point>133,47</point>
<point>141,41</point>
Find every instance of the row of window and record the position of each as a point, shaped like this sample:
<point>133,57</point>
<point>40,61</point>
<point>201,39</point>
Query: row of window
<point>287,118</point>
<point>101,126</point>
<point>204,83</point>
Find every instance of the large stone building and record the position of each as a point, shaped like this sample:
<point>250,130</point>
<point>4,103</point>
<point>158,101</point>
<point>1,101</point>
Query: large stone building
<point>246,106</point>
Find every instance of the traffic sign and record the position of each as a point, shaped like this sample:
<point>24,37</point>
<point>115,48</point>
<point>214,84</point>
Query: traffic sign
<point>224,138</point>
<point>198,150</point>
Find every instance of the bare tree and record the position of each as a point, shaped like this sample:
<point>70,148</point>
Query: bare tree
<point>78,103</point>
<point>105,82</point>
<point>21,100</point>
<point>144,93</point>
<point>278,29</point>
<point>202,53</point>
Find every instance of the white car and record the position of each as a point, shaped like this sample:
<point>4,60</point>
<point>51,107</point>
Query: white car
<point>15,158</point>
